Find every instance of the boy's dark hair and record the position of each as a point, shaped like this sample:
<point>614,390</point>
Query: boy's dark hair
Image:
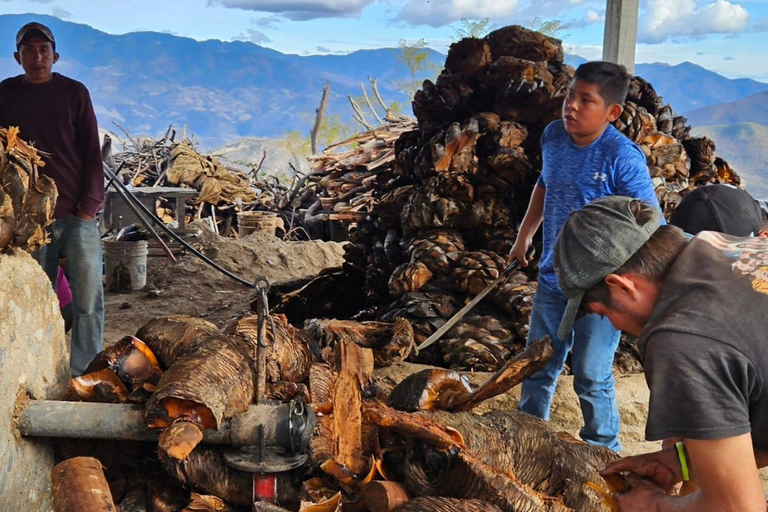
<point>612,80</point>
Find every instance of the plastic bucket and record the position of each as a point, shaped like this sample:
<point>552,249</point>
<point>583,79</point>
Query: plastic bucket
<point>264,222</point>
<point>125,264</point>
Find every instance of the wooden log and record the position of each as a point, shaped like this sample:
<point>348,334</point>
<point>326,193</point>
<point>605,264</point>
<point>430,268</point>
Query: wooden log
<point>381,496</point>
<point>205,387</point>
<point>354,366</point>
<point>79,484</point>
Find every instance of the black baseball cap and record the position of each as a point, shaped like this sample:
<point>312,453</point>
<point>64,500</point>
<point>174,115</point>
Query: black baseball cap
<point>720,207</point>
<point>594,242</point>
<point>34,29</point>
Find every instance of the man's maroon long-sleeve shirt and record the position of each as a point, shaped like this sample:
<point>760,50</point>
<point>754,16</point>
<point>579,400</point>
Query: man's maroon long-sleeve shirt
<point>58,118</point>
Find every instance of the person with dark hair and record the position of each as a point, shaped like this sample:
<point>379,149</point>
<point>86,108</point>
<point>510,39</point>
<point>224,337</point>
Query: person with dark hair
<point>722,208</point>
<point>698,308</point>
<point>584,158</point>
<point>55,112</point>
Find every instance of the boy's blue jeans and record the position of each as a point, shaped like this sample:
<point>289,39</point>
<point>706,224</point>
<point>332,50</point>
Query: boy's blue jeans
<point>593,341</point>
<point>78,241</point>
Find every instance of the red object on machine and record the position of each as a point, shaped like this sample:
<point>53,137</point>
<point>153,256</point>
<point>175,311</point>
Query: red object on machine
<point>264,487</point>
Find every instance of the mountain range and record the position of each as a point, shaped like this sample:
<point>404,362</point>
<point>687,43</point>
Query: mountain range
<point>223,91</point>
<point>145,81</point>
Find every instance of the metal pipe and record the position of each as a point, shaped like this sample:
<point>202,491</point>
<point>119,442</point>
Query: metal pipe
<point>83,420</point>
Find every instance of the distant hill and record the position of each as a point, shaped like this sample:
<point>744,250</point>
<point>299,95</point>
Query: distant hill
<point>225,91</point>
<point>251,150</point>
<point>687,86</point>
<point>745,147</point>
<point>752,109</point>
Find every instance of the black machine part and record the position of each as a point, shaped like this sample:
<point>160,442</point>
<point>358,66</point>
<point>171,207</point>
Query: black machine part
<point>272,437</point>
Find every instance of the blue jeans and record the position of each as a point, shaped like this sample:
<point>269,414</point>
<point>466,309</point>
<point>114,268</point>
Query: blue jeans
<point>78,241</point>
<point>593,341</point>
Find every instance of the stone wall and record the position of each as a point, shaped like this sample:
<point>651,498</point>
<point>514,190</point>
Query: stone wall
<point>34,363</point>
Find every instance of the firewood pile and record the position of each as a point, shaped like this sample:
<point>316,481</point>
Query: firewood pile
<point>351,170</point>
<point>446,211</point>
<point>222,192</point>
<point>417,446</point>
<point>27,197</point>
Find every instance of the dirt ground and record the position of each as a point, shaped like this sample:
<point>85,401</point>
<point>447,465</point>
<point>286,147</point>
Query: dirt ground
<point>191,287</point>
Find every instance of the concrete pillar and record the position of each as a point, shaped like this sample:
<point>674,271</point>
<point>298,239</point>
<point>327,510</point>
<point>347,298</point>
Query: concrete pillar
<point>620,37</point>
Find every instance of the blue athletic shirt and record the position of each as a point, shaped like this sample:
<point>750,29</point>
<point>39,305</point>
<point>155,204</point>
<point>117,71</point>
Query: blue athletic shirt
<point>574,176</point>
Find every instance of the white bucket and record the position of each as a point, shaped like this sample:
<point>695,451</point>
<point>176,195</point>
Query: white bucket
<point>125,264</point>
<point>264,222</point>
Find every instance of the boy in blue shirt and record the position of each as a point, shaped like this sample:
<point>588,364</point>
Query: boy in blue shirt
<point>584,158</point>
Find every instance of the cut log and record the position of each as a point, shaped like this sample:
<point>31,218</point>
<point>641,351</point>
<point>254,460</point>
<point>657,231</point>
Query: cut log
<point>382,496</point>
<point>441,504</point>
<point>411,426</point>
<point>206,386</point>
<point>178,440</point>
<point>132,360</point>
<point>428,390</point>
<point>288,353</point>
<point>354,366</point>
<point>205,470</point>
<point>102,386</point>
<point>532,359</point>
<point>171,337</point>
<point>79,484</point>
<point>390,342</point>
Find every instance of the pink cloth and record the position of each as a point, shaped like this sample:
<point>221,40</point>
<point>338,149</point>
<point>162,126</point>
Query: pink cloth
<point>62,289</point>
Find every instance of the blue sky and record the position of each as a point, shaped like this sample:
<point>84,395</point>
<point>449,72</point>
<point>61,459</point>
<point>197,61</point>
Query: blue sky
<point>725,36</point>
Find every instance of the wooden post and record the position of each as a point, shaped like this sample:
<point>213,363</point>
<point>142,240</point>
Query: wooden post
<point>319,114</point>
<point>620,36</point>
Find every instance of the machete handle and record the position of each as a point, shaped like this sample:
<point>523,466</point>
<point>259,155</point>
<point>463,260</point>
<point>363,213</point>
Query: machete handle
<point>513,266</point>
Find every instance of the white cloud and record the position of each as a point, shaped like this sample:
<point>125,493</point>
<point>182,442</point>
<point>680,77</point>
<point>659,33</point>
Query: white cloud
<point>590,18</point>
<point>61,13</point>
<point>253,36</point>
<point>439,14</point>
<point>664,19</point>
<point>267,22</point>
<point>587,51</point>
<point>323,49</point>
<point>300,10</point>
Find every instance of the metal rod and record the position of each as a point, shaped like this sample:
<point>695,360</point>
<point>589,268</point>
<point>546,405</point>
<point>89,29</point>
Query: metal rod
<point>262,287</point>
<point>138,214</point>
<point>82,420</point>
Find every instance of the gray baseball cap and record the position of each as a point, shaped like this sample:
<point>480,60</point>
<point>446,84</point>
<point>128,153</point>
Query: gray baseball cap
<point>594,242</point>
<point>34,29</point>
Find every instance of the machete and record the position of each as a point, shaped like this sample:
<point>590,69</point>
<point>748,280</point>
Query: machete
<point>471,304</point>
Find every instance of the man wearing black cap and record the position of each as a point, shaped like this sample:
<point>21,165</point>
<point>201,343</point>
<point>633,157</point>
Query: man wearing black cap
<point>55,112</point>
<point>698,309</point>
<point>722,208</point>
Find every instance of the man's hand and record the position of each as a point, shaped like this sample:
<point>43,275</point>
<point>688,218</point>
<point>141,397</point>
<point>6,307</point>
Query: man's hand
<point>662,468</point>
<point>84,216</point>
<point>519,252</point>
<point>645,496</point>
